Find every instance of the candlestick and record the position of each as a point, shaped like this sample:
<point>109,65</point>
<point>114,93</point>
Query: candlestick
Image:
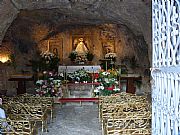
<point>48,46</point>
<point>66,73</point>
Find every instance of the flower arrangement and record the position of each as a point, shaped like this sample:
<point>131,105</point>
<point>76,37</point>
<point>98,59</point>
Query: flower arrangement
<point>110,73</point>
<point>110,55</point>
<point>49,86</point>
<point>47,56</point>
<point>81,59</point>
<point>45,61</point>
<point>73,55</point>
<point>89,56</point>
<point>108,80</point>
<point>80,75</point>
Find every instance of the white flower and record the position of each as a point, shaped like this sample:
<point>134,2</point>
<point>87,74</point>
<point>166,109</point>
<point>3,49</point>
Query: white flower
<point>96,90</point>
<point>47,55</point>
<point>57,83</point>
<point>61,74</point>
<point>105,73</point>
<point>110,55</point>
<point>116,89</point>
<point>99,88</point>
<point>40,82</point>
<point>106,80</point>
<point>116,82</point>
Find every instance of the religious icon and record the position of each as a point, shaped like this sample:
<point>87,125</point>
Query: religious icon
<point>56,47</point>
<point>108,47</point>
<point>55,52</point>
<point>81,48</point>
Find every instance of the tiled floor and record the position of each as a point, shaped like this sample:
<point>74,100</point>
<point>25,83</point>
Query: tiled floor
<point>75,120</point>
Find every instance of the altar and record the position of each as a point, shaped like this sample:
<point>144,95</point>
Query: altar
<point>70,69</point>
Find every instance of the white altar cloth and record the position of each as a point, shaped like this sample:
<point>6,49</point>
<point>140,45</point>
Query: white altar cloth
<point>70,69</point>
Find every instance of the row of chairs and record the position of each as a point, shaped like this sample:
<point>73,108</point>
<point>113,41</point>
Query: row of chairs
<point>24,112</point>
<point>125,114</point>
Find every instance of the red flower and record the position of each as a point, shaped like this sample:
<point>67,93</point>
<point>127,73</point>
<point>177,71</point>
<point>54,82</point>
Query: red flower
<point>110,88</point>
<point>96,76</point>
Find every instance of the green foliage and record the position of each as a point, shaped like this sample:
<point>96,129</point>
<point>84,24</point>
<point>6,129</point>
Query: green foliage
<point>89,56</point>
<point>108,92</point>
<point>108,80</point>
<point>79,75</point>
<point>47,62</point>
<point>73,55</point>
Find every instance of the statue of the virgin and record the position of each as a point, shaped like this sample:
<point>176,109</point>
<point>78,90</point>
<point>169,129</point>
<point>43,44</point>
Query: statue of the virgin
<point>81,47</point>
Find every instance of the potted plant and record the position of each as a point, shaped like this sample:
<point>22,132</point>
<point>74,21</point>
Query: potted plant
<point>73,55</point>
<point>89,56</point>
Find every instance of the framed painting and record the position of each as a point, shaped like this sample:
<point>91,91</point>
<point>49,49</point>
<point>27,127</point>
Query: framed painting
<point>108,46</point>
<point>56,47</point>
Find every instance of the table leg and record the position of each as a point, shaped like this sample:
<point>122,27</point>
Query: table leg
<point>130,86</point>
<point>21,89</point>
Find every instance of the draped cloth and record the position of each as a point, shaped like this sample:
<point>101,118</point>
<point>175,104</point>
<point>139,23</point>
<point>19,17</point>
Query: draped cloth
<point>81,48</point>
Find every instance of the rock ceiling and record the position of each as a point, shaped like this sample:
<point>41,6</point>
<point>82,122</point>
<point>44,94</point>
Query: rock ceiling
<point>135,14</point>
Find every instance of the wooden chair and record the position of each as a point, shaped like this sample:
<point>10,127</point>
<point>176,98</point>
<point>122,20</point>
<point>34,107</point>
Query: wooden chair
<point>129,124</point>
<point>17,127</point>
<point>34,113</point>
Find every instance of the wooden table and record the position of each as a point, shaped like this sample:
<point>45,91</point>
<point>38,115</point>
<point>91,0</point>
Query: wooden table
<point>130,86</point>
<point>21,79</point>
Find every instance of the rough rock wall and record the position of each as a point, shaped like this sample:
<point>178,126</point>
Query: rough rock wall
<point>27,36</point>
<point>8,13</point>
<point>136,14</point>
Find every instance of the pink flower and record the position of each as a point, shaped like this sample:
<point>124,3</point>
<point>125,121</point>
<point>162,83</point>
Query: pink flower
<point>44,86</point>
<point>50,73</point>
